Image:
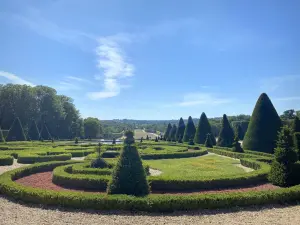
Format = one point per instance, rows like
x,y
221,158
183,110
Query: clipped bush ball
x,y
99,163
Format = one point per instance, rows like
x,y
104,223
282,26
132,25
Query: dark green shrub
x,y
297,143
113,141
180,130
129,176
6,160
208,141
203,129
99,163
156,139
33,132
28,159
191,141
16,132
172,135
141,140
239,132
237,145
167,133
190,130
263,127
226,135
285,157
296,125
76,140
1,136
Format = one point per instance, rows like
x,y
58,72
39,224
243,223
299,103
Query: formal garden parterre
x,y
197,169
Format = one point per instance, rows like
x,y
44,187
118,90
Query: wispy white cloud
x,y
67,86
273,83
14,78
113,62
78,79
199,98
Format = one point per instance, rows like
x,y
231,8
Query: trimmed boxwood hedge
x,y
151,203
35,158
6,160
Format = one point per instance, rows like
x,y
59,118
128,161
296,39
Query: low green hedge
x,y
6,160
84,168
174,155
28,158
151,203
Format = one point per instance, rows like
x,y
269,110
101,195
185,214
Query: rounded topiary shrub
x,y
129,176
281,172
99,163
237,145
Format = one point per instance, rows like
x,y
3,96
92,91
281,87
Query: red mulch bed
x,y
44,180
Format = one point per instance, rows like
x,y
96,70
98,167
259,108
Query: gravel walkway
x,y
12,213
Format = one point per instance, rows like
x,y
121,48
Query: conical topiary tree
x,y
189,131
237,145
264,125
167,133
208,142
1,136
203,129
129,176
16,132
226,135
180,129
45,134
33,132
296,125
239,132
281,172
172,135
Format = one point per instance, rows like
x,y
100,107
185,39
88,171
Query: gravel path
x,y
12,213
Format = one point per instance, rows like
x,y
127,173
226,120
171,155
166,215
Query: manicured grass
x,y
138,133
195,168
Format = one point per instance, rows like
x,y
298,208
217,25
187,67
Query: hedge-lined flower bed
x,y
6,160
29,159
151,203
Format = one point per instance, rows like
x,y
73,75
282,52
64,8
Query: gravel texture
x,y
13,213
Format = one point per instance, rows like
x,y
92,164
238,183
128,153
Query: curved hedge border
x,y
151,203
35,158
6,160
79,176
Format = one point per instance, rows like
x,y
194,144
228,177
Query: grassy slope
x,y
138,133
193,168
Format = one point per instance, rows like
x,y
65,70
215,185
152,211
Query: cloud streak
x,y
113,62
199,98
14,78
273,83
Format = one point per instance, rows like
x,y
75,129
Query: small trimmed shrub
x,y
76,140
113,141
208,141
285,157
226,135
237,145
6,160
191,141
129,176
16,132
28,159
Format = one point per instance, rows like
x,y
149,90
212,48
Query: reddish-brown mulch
x,y
44,180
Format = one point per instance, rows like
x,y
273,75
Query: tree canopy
x,y
16,132
203,129
180,129
92,127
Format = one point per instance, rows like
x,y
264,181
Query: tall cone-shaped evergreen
x,y
180,129
263,128
167,133
33,132
1,136
281,172
16,132
208,141
45,134
129,176
172,136
189,131
203,129
239,132
296,125
226,135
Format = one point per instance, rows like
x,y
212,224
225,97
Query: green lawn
x,y
195,168
138,133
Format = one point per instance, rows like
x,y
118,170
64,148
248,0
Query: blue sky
x,y
159,59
